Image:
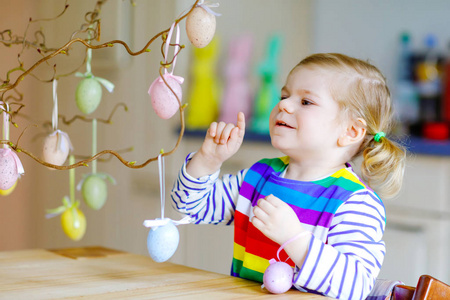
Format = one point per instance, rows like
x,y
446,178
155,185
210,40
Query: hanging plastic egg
x,y
163,100
8,191
8,169
278,277
94,191
73,223
88,95
162,242
56,148
200,27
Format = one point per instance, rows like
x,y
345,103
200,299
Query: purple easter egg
x,y
8,172
277,278
164,101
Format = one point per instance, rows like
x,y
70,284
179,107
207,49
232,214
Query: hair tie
x,y
378,136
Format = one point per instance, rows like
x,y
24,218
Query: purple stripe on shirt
x,y
262,168
312,217
249,192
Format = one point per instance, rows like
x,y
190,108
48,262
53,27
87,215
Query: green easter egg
x,y
94,191
88,95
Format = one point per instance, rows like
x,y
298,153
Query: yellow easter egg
x,y
73,223
8,191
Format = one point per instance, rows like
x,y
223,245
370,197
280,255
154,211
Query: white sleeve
x,y
209,199
346,266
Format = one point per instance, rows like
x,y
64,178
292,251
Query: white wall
x,y
371,29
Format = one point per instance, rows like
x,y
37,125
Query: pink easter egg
x,y
8,171
277,278
164,101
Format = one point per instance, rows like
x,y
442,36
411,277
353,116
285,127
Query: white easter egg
x,y
200,27
163,100
278,277
162,242
54,154
8,172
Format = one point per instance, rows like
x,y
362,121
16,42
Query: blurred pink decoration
x,y
237,95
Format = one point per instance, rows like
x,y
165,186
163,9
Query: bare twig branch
x,y
93,29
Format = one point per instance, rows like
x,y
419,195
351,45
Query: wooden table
x,y
101,273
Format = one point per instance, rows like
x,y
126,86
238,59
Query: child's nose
x,y
286,105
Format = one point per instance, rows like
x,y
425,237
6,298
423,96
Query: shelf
x,y
415,145
428,147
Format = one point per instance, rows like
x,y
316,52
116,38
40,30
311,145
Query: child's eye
x,y
306,102
283,97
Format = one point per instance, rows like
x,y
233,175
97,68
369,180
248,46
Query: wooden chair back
x,y
430,288
403,292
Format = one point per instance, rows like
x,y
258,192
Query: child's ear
x,y
354,133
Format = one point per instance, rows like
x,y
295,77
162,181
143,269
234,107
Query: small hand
x,y
223,140
276,219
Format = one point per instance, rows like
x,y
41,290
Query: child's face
x,y
304,124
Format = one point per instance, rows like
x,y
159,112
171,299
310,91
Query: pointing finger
x,y
241,123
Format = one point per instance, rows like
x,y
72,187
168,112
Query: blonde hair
x,y
361,92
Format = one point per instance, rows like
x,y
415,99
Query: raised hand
x,y
221,142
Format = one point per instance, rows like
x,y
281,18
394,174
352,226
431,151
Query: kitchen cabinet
x,y
417,234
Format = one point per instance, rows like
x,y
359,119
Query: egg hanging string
x,y
68,202
55,106
154,224
56,131
94,144
162,183
176,49
109,86
5,123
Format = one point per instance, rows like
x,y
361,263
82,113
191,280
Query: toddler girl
x,y
332,109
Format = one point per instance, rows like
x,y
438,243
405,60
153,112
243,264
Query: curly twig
x,y
63,50
83,118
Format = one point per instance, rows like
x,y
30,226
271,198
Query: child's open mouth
x,y
283,124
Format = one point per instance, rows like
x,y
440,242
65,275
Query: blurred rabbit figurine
x,y
204,89
269,92
237,95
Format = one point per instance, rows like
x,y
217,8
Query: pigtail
x,y
383,165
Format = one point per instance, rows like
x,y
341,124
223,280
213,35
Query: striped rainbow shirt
x,y
346,218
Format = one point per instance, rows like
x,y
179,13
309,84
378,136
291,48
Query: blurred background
x,y
257,42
